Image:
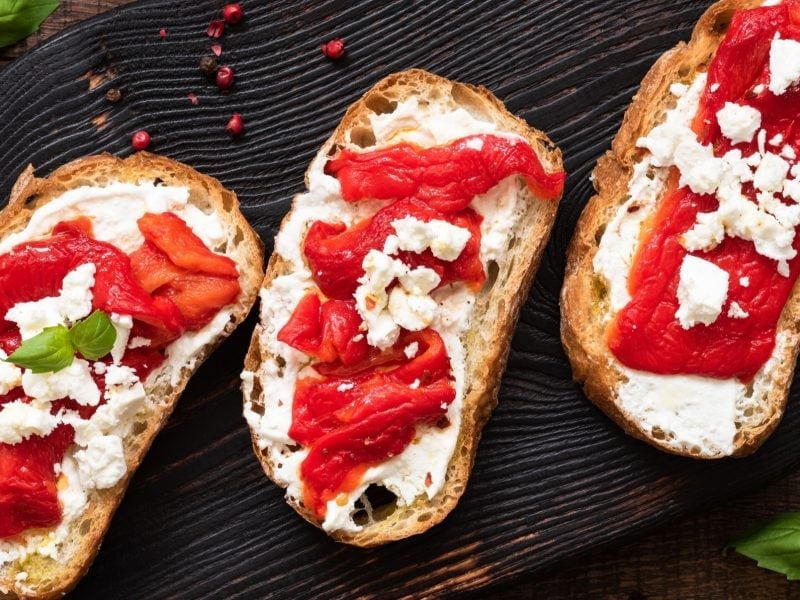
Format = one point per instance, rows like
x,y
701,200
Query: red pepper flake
x,y
235,125
232,13
428,479
163,33
140,140
216,28
193,99
216,49
333,49
224,78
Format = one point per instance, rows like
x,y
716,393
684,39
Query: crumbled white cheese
x,y
737,312
702,290
788,152
19,420
713,87
776,140
784,65
73,303
770,173
445,240
122,325
738,123
345,387
102,463
411,350
75,382
408,305
10,375
138,342
744,281
791,189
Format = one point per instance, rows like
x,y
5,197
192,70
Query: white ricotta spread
x,y
96,460
688,412
421,468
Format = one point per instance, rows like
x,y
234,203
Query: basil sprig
x,y
773,544
20,18
54,348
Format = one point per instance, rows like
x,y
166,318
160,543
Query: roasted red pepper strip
x,y
645,334
329,332
446,178
352,422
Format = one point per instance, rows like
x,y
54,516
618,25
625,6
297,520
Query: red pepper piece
x,y
446,178
170,234
329,332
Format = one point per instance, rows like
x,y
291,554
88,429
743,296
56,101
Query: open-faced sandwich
x,y
679,309
117,278
389,303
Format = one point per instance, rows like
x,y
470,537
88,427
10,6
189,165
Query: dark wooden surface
x,y
682,560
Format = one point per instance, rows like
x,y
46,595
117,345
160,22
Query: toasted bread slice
x,y
586,304
488,334
44,577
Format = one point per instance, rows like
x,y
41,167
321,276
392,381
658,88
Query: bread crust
x,y
582,306
49,578
488,349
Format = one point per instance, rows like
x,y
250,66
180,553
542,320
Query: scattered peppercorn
x,y
113,95
235,125
193,99
224,78
216,49
216,28
140,140
162,33
232,13
208,65
334,49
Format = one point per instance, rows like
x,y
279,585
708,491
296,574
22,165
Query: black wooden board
x,y
553,476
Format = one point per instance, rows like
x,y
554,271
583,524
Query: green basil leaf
x,y
773,544
94,336
20,18
51,350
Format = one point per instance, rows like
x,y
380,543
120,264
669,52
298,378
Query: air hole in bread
x,y
85,527
600,289
227,202
598,235
424,517
493,270
239,237
380,105
139,427
375,504
722,22
362,136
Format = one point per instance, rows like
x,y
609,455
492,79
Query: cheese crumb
x,y
738,123
737,312
102,463
744,281
702,290
771,173
784,65
411,350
